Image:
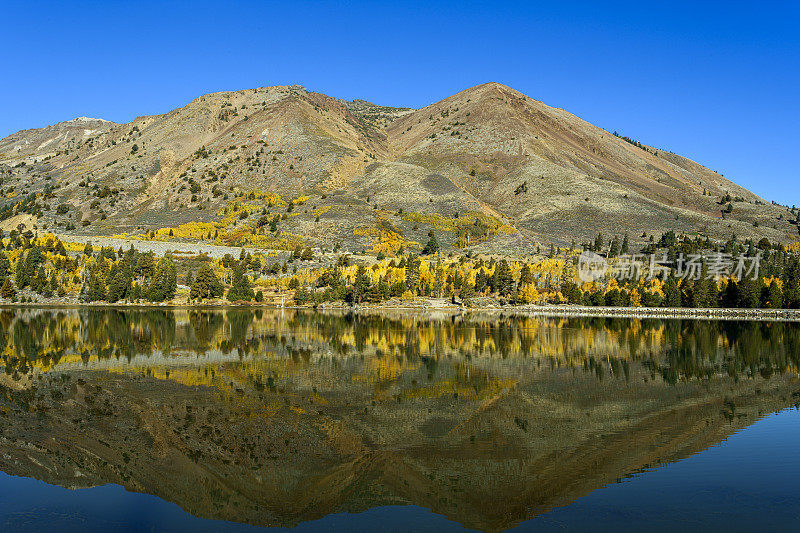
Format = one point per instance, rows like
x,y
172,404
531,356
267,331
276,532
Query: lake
x,y
238,420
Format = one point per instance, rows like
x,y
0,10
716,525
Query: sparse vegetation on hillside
x,y
282,166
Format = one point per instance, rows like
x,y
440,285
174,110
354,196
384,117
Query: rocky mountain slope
x,y
488,167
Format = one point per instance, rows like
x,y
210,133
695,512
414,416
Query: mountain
x,y
489,167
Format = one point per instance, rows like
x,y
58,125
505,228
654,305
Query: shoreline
x,y
548,311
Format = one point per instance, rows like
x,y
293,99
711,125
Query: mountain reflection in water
x,y
273,417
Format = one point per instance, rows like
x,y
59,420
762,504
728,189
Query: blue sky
x,y
715,81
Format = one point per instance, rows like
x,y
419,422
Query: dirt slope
x,y
488,150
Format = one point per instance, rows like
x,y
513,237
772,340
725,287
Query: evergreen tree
x,y
749,294
699,294
164,283
39,281
502,280
791,289
206,284
432,246
119,286
8,291
22,274
571,291
525,275
614,298
598,243
93,289
730,296
625,245
672,294
5,266
240,288
615,247
136,292
145,267
467,293
379,291
361,285
412,273
712,292
773,296
481,280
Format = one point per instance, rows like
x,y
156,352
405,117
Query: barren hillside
x,y
488,167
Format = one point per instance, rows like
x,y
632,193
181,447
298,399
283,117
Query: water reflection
x,y
278,417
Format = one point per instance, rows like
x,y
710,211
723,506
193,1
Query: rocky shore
x,y
425,306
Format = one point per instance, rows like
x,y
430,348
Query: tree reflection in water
x,y
274,417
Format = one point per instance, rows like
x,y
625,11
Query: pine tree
x,y
571,291
39,281
481,280
93,289
712,292
502,280
598,243
730,296
432,246
615,247
22,274
8,291
144,266
164,283
525,276
749,294
119,286
361,285
774,296
240,289
467,292
412,274
206,284
699,293
672,294
791,288
5,266
136,292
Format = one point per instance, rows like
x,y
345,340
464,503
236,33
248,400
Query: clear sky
x,y
715,81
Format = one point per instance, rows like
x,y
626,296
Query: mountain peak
x,y
88,119
490,154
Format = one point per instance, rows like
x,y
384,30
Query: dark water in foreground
x,y
236,420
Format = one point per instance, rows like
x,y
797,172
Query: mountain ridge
x,y
488,150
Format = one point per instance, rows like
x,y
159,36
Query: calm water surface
x,y
237,420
